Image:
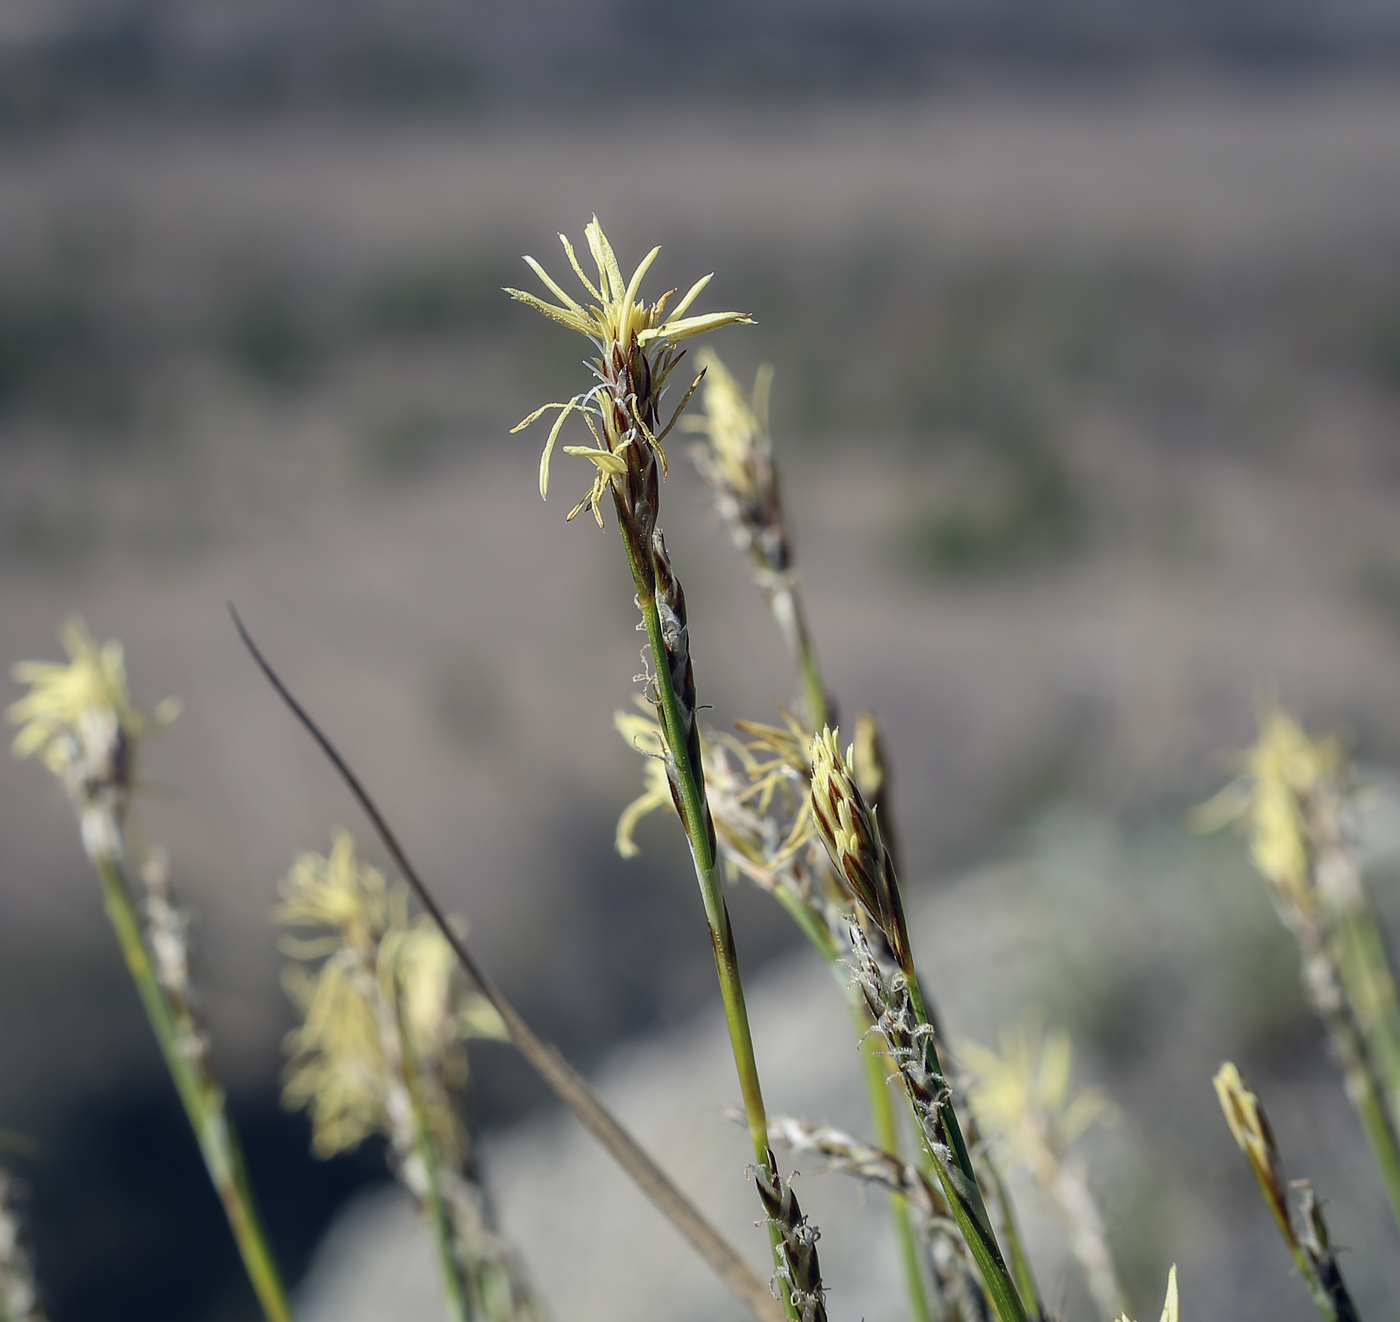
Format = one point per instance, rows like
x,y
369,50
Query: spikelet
x,y
636,343
80,721
798,1241
847,828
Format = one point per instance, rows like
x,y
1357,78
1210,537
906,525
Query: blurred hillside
x,y
1087,401
73,58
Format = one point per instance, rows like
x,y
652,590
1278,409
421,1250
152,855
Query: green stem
x,y
450,1267
1375,1120
960,1183
813,690
696,822
879,1070
203,1101
1011,1233
1370,986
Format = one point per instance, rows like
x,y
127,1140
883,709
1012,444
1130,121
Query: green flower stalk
x,y
1304,1232
847,828
637,346
737,464
753,845
380,1050
80,721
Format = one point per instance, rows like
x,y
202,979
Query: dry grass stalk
x,y
568,1085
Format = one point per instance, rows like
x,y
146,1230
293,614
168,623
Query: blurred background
x,y
1086,326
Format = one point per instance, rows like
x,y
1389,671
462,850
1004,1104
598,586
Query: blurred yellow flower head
x,y
1282,771
1023,1096
386,999
78,717
644,734
740,448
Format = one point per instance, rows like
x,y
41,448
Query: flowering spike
x,y
635,342
81,722
847,828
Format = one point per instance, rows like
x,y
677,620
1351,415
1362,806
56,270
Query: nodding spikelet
x,y
801,1270
19,1297
861,1160
847,828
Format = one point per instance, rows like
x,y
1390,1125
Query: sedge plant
x,y
637,344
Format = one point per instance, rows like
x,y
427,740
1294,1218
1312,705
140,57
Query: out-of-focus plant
x,y
19,1296
1024,1101
380,1050
80,721
1169,1306
1296,797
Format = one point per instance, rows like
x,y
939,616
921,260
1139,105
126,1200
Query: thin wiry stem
x,y
571,1088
